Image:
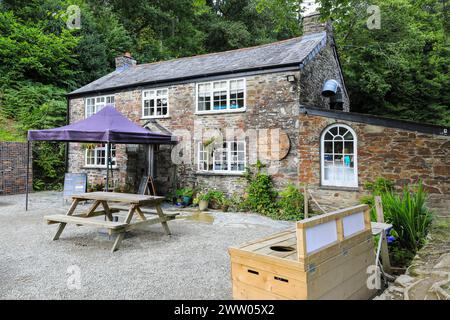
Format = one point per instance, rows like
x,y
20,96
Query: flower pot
x,y
186,200
203,205
179,202
214,204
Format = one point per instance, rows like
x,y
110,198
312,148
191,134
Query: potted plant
x,y
225,204
202,199
215,199
179,197
186,194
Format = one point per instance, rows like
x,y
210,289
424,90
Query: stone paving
x,y
428,277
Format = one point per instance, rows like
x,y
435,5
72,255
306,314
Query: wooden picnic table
x,y
134,201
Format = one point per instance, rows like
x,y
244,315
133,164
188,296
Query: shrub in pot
x,y
215,199
185,194
202,199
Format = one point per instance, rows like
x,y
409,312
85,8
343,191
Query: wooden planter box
x,y
325,257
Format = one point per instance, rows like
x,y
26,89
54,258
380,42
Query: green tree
x,y
401,69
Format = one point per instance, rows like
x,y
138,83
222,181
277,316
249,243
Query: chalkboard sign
x,y
74,183
143,185
146,185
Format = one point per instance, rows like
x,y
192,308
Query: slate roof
x,y
291,52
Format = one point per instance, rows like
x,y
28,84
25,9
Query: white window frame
x,y
339,183
228,109
210,159
96,165
155,97
97,106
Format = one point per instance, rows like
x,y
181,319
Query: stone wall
x,y
403,156
324,66
13,168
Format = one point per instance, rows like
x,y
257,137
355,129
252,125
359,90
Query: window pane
x,y
348,136
349,175
338,147
236,99
334,131
327,173
328,159
328,147
220,100
348,147
236,94
349,161
338,160
204,88
204,103
220,85
328,136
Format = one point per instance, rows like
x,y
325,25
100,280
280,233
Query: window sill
x,y
99,167
201,113
156,117
219,173
338,188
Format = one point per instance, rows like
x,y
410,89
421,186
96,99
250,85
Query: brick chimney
x,y
124,61
312,24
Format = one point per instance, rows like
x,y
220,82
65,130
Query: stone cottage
x,y
229,109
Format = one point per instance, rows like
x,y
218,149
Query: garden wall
x,y
13,168
401,151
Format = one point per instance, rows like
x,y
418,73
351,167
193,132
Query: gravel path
x,y
193,263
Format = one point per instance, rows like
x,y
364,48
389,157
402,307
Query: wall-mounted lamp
x,y
290,78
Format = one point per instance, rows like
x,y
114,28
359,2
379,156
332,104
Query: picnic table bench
x,y
134,201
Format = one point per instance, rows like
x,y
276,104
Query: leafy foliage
x,y
408,214
291,204
401,69
261,197
260,193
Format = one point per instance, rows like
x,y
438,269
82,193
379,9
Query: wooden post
x,y
379,209
384,245
305,199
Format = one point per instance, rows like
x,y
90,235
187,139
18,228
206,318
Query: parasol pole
x,y
108,148
28,175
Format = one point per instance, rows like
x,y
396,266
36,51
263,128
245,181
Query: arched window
x,y
339,156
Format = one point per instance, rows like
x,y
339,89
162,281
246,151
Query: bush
x,y
291,204
261,196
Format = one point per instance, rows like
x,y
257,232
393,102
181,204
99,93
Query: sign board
x,y
143,184
74,183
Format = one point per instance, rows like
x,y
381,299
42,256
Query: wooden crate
x,y
324,257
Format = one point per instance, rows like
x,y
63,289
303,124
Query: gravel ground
x,y
193,263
